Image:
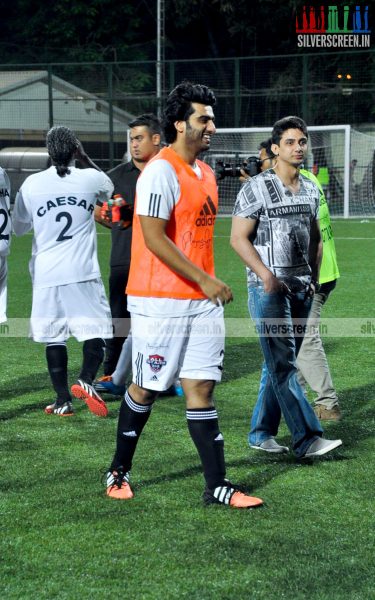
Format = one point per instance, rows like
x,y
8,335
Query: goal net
x,y
342,158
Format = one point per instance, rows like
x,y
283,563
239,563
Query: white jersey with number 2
x,y
61,212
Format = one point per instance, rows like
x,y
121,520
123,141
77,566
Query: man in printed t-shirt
x,y
276,233
312,363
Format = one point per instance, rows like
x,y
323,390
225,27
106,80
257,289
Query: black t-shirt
x,y
124,178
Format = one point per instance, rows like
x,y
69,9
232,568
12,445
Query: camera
x,y
251,166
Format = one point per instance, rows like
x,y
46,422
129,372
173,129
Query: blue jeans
x,y
280,321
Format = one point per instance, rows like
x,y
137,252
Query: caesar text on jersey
x,y
64,201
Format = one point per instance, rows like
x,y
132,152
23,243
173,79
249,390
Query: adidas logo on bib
x,y
207,215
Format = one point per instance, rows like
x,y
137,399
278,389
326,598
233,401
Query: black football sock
x,y
132,419
57,362
93,354
204,429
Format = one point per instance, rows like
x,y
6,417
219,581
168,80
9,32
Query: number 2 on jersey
x,y
4,224
62,235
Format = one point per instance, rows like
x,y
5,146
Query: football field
x,y
62,538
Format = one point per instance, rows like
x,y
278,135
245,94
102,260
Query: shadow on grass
x,y
242,359
256,481
356,426
30,384
271,469
26,384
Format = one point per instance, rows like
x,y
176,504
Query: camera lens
x,y
253,166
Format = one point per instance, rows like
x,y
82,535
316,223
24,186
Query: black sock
x,y
203,426
93,354
132,419
57,362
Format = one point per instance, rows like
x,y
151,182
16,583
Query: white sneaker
x,y
321,446
271,446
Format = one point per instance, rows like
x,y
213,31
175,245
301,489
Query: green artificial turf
x,y
61,538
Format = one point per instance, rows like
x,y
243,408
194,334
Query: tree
x,y
83,30
108,30
224,28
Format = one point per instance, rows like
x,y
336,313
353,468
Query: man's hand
x,y
273,285
84,158
312,289
126,216
217,291
244,176
80,154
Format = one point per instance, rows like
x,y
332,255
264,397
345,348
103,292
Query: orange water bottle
x,y
116,203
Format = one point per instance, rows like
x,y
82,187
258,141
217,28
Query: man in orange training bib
x,y
175,300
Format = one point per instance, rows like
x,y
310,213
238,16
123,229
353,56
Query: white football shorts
x,y
166,348
3,288
78,309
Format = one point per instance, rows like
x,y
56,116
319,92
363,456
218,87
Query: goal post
x,y
342,158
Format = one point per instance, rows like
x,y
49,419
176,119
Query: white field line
x,y
336,237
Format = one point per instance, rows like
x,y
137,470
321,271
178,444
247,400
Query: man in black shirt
x,y
145,137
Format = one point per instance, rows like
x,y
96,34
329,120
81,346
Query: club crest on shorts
x,y
156,362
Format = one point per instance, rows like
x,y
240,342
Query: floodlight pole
x,y
160,38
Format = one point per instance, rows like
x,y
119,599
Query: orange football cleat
x,y
230,495
240,500
118,485
88,394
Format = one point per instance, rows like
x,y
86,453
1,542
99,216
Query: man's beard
x,y
197,136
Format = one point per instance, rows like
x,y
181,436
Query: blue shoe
x,y
105,385
178,388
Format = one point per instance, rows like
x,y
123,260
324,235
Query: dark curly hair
x,y
61,144
287,123
178,105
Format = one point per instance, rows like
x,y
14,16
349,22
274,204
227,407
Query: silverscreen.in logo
x,y
333,27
